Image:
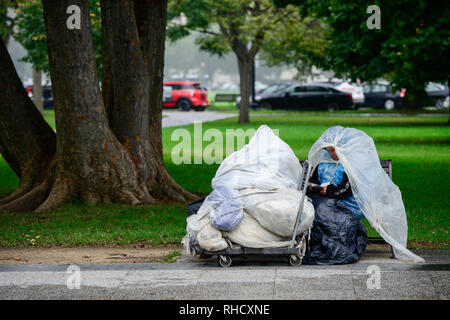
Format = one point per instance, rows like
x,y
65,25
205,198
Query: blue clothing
x,y
333,173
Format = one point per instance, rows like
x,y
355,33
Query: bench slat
x,y
226,97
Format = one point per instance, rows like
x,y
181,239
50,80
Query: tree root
x,y
169,189
23,188
30,200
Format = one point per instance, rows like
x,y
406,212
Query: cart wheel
x,y
295,260
224,261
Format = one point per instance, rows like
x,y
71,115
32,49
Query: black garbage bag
x,y
193,207
336,236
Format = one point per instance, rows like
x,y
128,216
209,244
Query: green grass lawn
x,y
418,146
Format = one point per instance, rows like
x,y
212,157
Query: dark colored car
x,y
187,95
381,96
47,96
437,95
306,97
270,89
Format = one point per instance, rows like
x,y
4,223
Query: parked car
x,y
167,94
354,89
307,97
270,89
187,95
380,95
47,96
438,95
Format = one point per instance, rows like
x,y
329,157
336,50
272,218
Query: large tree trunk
x,y
245,77
151,18
245,63
37,90
127,85
413,100
93,165
112,155
133,47
27,142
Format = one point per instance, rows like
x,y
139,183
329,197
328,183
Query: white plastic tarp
x,y
377,196
266,162
265,175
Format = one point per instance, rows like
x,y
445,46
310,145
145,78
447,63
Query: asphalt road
x,y
249,279
172,118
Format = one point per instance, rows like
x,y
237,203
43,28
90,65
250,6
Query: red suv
x,y
186,95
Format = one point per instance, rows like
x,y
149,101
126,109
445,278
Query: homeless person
x,y
337,236
353,186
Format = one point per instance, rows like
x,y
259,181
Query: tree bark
x,y
151,18
127,88
99,154
412,101
37,90
93,165
27,142
245,63
134,37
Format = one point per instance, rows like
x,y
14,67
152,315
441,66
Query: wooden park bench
x,y
226,97
387,167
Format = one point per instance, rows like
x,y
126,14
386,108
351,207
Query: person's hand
x,y
323,191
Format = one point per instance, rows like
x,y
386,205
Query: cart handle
x,y
302,201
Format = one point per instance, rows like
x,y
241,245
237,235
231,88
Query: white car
x,y
355,90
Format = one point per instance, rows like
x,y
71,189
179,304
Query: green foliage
x,y
6,22
172,256
31,32
228,25
411,48
297,42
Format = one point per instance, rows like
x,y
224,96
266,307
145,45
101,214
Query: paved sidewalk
x,y
253,278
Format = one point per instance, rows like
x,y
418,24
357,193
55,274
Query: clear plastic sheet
x,y
377,196
228,211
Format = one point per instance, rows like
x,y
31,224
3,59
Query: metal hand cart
x,y
295,251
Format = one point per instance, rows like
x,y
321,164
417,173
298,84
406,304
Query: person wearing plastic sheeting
x,y
337,236
376,195
334,183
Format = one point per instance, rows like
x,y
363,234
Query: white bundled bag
x,y
227,212
266,162
277,210
251,234
199,227
209,238
377,196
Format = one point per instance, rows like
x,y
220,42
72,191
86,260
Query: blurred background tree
x,y
7,21
243,27
410,49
